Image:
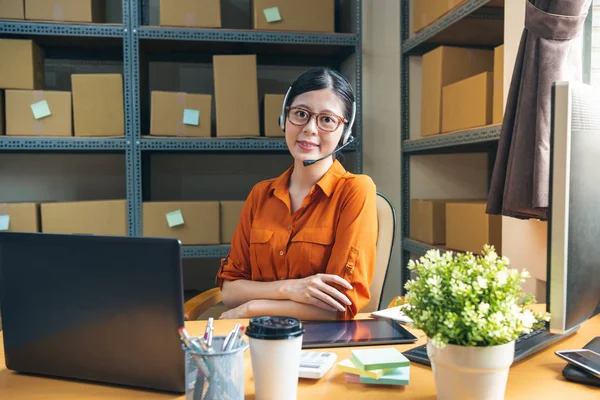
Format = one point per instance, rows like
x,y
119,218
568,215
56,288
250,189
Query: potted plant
x,y
472,309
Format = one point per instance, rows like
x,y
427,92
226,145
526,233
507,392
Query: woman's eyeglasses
x,y
326,121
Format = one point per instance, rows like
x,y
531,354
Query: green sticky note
x,y
272,14
191,117
40,109
4,222
174,218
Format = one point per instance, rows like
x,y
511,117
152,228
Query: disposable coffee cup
x,y
275,346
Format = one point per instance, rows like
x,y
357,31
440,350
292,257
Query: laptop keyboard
x,y
525,345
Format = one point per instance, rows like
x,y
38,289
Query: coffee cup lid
x,y
274,328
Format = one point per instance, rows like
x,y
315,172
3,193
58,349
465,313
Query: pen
x,y
210,329
233,339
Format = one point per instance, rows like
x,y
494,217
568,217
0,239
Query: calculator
x,y
315,364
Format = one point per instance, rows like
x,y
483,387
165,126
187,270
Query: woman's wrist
x,y
283,292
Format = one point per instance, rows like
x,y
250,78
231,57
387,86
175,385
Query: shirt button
x,y
282,278
289,227
281,253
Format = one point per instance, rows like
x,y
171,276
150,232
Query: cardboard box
x,y
200,221
190,13
236,96
428,221
22,217
425,12
174,114
21,119
21,64
98,104
306,15
105,217
441,67
2,117
230,217
272,110
468,227
498,97
12,9
66,10
468,103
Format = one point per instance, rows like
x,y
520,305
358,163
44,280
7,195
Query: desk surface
x,y
537,377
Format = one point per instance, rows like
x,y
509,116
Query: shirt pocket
x,y
315,248
260,250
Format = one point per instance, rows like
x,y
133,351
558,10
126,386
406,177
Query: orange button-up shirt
x,y
333,232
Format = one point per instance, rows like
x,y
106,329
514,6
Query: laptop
x,y
95,308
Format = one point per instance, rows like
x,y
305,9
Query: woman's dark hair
x,y
324,78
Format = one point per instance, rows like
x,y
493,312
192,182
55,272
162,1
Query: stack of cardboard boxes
x,y
461,225
461,89
279,15
192,222
95,103
236,105
90,11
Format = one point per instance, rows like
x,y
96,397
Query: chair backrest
x,y
386,228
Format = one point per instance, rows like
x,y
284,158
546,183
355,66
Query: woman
x,y
305,244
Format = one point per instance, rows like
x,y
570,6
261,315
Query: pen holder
x,y
215,376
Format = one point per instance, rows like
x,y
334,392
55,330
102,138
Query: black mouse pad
x,y
575,374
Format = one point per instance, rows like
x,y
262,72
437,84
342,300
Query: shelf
x,y
60,29
420,248
157,40
463,141
8,143
470,24
216,251
212,144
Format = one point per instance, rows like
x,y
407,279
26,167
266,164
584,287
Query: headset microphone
x,y
311,162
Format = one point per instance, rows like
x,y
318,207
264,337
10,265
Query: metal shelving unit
x,y
482,139
135,32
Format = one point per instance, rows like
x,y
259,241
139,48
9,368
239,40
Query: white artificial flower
x,y
484,308
482,282
528,318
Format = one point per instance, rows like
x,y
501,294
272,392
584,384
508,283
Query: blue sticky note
x,y
175,218
272,14
191,117
40,109
4,222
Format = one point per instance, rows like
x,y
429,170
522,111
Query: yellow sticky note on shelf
x,y
4,222
40,109
174,218
272,14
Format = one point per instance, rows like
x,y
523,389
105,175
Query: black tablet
x,y
364,332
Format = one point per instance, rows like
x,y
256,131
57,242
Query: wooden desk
x,y
538,377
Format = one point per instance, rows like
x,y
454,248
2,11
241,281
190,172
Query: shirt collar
x,y
280,186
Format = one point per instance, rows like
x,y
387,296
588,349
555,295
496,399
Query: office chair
x,y
386,228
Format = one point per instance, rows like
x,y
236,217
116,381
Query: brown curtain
x,y
550,50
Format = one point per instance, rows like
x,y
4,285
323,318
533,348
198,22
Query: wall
x,y
381,113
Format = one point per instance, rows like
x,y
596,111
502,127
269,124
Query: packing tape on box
x,y
38,124
182,102
190,19
58,12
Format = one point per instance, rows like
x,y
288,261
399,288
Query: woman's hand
x,y
239,312
317,290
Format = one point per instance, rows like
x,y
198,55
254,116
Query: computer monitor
x,y
573,282
96,308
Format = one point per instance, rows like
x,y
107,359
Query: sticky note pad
x,y
349,366
191,117
4,222
398,376
40,109
175,218
272,14
382,358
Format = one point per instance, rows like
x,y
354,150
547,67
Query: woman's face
x,y
309,141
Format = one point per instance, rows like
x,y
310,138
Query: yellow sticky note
x,y
40,109
272,14
174,218
4,222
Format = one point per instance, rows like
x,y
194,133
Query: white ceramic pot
x,y
471,373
